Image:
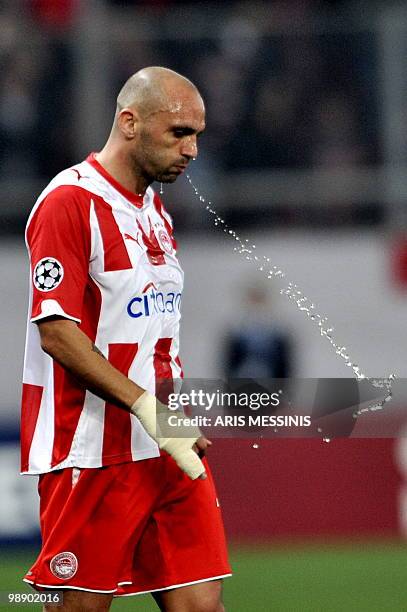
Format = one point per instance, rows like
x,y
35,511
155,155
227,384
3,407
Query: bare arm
x,y
69,346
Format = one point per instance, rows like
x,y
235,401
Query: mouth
x,y
180,168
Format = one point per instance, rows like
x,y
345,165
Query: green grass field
x,y
357,578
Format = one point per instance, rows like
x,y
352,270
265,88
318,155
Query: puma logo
x,y
77,172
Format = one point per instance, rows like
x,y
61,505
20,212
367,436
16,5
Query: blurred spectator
x,y
18,117
18,80
35,94
268,132
285,87
258,348
54,100
54,13
279,93
336,133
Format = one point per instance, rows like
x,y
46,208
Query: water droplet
x,y
326,439
294,294
161,189
255,445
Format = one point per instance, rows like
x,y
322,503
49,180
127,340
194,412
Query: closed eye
x,y
180,132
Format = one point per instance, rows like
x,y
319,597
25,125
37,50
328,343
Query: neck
x,y
117,163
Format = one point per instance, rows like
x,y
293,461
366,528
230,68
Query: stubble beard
x,y
167,178
145,160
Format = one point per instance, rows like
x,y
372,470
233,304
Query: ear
x,y
127,121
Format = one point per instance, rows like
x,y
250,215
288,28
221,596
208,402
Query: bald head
x,y
154,89
160,115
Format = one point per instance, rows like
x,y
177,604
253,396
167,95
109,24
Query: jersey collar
x,y
134,198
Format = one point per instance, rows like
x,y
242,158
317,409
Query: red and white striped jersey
x,y
106,258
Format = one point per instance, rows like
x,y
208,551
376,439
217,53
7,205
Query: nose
x,y
189,147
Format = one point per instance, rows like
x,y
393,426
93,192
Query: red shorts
x,y
128,529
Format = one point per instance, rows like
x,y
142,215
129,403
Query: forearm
x,y
74,351
69,346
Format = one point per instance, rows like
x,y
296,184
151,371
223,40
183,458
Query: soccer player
x,y
122,510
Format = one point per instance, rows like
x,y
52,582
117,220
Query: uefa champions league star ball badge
x,y
48,274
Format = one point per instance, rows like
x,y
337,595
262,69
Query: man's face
x,y
168,138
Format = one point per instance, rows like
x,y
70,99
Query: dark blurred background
x,y
305,155
304,99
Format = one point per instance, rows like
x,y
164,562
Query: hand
x,y
201,446
153,415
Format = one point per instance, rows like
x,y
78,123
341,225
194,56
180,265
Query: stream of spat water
x,y
292,292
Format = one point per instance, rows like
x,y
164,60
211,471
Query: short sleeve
x,y
59,243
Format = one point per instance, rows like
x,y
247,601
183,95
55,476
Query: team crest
x,y
165,241
64,565
48,274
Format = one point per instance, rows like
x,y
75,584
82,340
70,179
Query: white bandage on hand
x,y
153,415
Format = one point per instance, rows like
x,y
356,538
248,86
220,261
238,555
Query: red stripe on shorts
x,y
162,368
30,408
117,425
115,252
